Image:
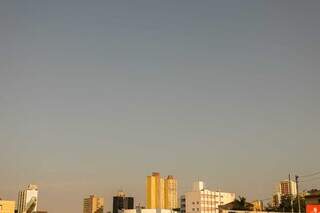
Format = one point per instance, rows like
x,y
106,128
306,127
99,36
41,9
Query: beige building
x,y
284,188
7,206
161,193
257,205
93,204
171,193
201,200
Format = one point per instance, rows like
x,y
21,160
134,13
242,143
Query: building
x,y
257,205
28,199
171,193
93,204
284,188
287,187
121,202
155,191
201,200
7,206
139,210
161,193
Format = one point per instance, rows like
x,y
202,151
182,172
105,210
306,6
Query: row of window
x,y
208,202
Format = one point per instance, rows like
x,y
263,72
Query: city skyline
x,y
96,95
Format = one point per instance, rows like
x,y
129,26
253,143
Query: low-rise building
x,y
201,200
257,205
139,210
7,206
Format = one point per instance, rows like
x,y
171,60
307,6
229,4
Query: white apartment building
x,y
28,199
202,200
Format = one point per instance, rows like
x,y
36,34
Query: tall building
x,y
121,202
284,188
171,193
287,187
201,200
7,206
93,204
28,199
155,191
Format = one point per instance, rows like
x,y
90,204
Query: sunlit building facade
x,y
28,199
202,200
93,204
171,192
155,198
7,206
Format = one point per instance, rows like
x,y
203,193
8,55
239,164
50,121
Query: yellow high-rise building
x,y
171,193
161,193
7,206
155,191
93,204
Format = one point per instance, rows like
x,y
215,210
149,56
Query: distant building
x,y
7,206
171,193
285,188
161,193
121,202
28,199
148,211
155,191
202,200
93,204
257,205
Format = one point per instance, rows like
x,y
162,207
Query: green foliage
x,y
241,204
286,206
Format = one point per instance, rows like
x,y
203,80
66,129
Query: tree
x,y
285,205
241,204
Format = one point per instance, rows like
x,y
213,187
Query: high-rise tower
x,y
28,199
155,191
171,193
121,202
93,204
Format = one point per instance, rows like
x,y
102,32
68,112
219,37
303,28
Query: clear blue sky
x,y
95,95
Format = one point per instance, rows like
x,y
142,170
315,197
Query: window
x,y
193,203
198,202
193,209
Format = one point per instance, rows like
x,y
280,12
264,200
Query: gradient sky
x,y
95,95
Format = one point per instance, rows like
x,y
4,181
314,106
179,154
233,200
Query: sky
x,y
96,95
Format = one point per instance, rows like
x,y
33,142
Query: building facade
x,y
7,206
171,193
139,210
93,204
121,202
201,200
284,188
155,191
28,199
257,205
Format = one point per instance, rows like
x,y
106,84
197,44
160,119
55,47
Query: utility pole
x,y
298,196
291,195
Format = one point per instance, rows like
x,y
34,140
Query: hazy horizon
x,y
96,95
